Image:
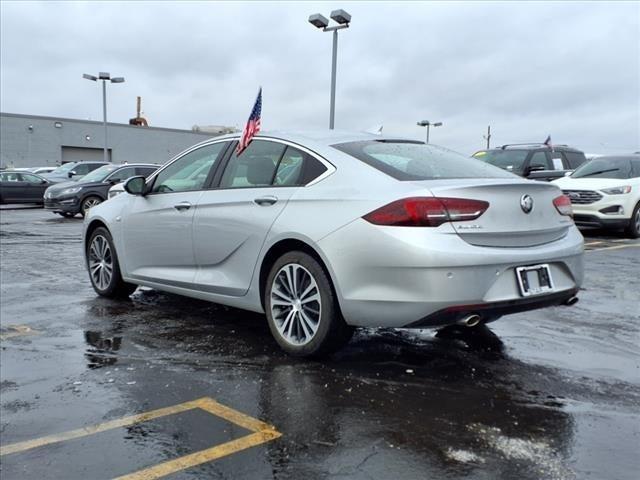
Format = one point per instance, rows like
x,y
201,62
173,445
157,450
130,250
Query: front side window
x,y
255,167
417,161
145,171
539,160
189,172
121,174
575,159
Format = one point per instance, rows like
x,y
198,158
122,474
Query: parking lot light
x,y
342,19
428,124
104,77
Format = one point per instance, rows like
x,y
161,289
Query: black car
x,y
22,187
534,161
71,198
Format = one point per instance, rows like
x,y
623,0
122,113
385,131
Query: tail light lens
x,y
563,205
426,212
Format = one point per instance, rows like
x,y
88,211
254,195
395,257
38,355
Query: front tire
x,y
633,230
302,309
89,202
104,270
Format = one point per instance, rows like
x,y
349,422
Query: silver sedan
x,y
327,231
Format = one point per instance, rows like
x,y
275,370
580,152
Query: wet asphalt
x,y
551,394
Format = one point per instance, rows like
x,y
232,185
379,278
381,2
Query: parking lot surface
x,y
161,386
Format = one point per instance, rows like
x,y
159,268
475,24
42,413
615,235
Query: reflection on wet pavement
x,y
550,394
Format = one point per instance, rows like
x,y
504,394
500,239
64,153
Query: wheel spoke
x,y
282,295
313,298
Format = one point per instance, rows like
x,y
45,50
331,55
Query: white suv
x,y
605,193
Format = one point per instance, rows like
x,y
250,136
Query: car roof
x,y
320,136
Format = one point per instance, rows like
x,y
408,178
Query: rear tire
x,y
302,308
633,230
103,266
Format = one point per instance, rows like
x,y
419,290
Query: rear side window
x,y
122,174
255,167
418,161
575,159
297,168
635,167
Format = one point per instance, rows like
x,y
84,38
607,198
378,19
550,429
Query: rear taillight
x,y
427,211
563,205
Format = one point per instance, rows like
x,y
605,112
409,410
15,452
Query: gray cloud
x,y
571,69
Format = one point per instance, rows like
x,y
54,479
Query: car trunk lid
x,y
506,223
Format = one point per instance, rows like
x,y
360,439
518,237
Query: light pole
x,y
105,77
342,18
428,124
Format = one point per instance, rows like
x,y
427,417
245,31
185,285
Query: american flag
x,y
548,143
253,125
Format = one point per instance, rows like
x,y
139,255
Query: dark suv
x,y
71,198
534,161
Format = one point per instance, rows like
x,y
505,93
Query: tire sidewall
x,y
632,230
328,310
116,278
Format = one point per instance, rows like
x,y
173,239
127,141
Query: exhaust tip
x,y
470,320
571,301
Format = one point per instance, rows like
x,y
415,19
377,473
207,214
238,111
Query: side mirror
x,y
135,185
72,173
43,181
568,174
114,181
535,168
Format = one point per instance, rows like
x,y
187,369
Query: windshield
x,y
64,169
99,174
606,167
405,160
510,160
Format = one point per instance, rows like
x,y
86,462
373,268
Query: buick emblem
x,y
526,203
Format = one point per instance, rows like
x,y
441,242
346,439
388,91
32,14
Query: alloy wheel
x,y
637,219
295,304
90,203
100,262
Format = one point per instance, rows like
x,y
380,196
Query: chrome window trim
x,y
330,167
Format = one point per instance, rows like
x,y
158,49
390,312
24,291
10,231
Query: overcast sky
x,y
530,69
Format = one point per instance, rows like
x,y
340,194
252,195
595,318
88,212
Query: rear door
x,y
11,186
157,228
233,218
34,187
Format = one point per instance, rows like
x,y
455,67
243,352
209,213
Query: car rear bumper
x,y
404,276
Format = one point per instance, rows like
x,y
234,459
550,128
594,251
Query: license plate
x,y
534,280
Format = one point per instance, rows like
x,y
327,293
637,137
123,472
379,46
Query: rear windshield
x,y
418,161
607,167
510,160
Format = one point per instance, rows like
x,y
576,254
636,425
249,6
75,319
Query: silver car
x,y
327,231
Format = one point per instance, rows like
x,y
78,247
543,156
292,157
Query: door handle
x,y
182,206
266,201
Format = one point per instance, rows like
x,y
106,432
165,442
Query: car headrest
x,y
260,170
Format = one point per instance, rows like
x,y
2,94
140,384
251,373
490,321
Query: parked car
x,y
534,161
21,187
72,171
42,170
70,198
329,231
605,193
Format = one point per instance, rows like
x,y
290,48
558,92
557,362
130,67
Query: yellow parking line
x,y
93,429
617,247
262,432
203,456
18,330
595,242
